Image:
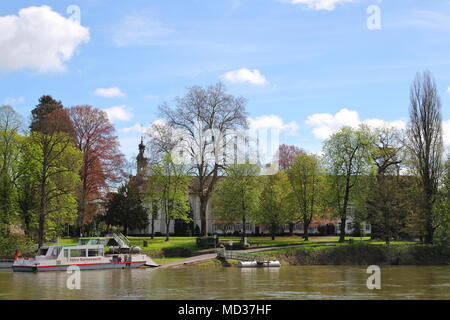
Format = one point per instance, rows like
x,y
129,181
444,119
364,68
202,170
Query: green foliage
x,y
9,244
10,125
365,254
52,164
308,183
347,155
236,197
274,208
169,187
442,209
125,208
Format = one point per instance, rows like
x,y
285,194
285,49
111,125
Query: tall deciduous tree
x,y
102,159
307,180
10,126
386,202
172,189
125,208
425,143
274,205
205,116
347,155
58,163
236,196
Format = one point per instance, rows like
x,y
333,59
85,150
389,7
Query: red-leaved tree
x,y
286,154
102,160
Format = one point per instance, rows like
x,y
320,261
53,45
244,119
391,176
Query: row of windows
x,y
79,253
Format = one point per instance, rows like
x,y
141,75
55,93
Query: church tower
x,y
141,160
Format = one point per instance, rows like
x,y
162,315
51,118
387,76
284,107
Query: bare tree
x,y
204,117
425,143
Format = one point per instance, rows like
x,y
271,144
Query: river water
x,y
287,282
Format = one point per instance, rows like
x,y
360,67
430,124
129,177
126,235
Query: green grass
x,y
167,260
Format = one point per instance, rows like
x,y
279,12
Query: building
x,y
220,227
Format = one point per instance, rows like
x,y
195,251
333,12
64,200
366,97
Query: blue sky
x,y
305,66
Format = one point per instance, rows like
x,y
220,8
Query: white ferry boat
x,y
84,256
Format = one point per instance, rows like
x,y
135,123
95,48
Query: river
x,y
287,282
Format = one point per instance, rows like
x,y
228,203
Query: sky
x,y
306,67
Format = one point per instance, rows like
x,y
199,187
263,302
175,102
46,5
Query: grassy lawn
x,y
159,243
166,260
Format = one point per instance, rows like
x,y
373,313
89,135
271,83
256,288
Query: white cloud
x,y
139,30
325,124
448,90
119,113
39,38
272,122
113,92
446,133
135,128
14,101
320,4
245,75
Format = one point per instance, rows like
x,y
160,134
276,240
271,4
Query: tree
x,y
425,143
236,197
205,117
287,154
39,114
442,207
308,184
125,208
347,156
102,159
171,189
385,200
274,208
57,162
10,125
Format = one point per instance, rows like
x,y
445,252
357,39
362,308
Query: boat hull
x,y
96,266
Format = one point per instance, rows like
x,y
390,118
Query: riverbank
x,y
362,254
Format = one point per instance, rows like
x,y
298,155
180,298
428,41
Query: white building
x,y
219,227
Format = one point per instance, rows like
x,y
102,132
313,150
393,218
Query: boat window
x,y
56,251
66,253
42,251
92,252
75,253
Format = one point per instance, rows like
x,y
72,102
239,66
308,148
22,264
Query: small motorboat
x,y
258,264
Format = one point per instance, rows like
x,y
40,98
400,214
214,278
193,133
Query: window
x,y
75,253
367,227
56,251
92,252
66,253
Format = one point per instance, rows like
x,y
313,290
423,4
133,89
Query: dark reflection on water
x,y
309,282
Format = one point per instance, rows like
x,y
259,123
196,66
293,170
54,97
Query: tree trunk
x,y
306,230
344,211
204,226
167,230
291,229
243,228
153,227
